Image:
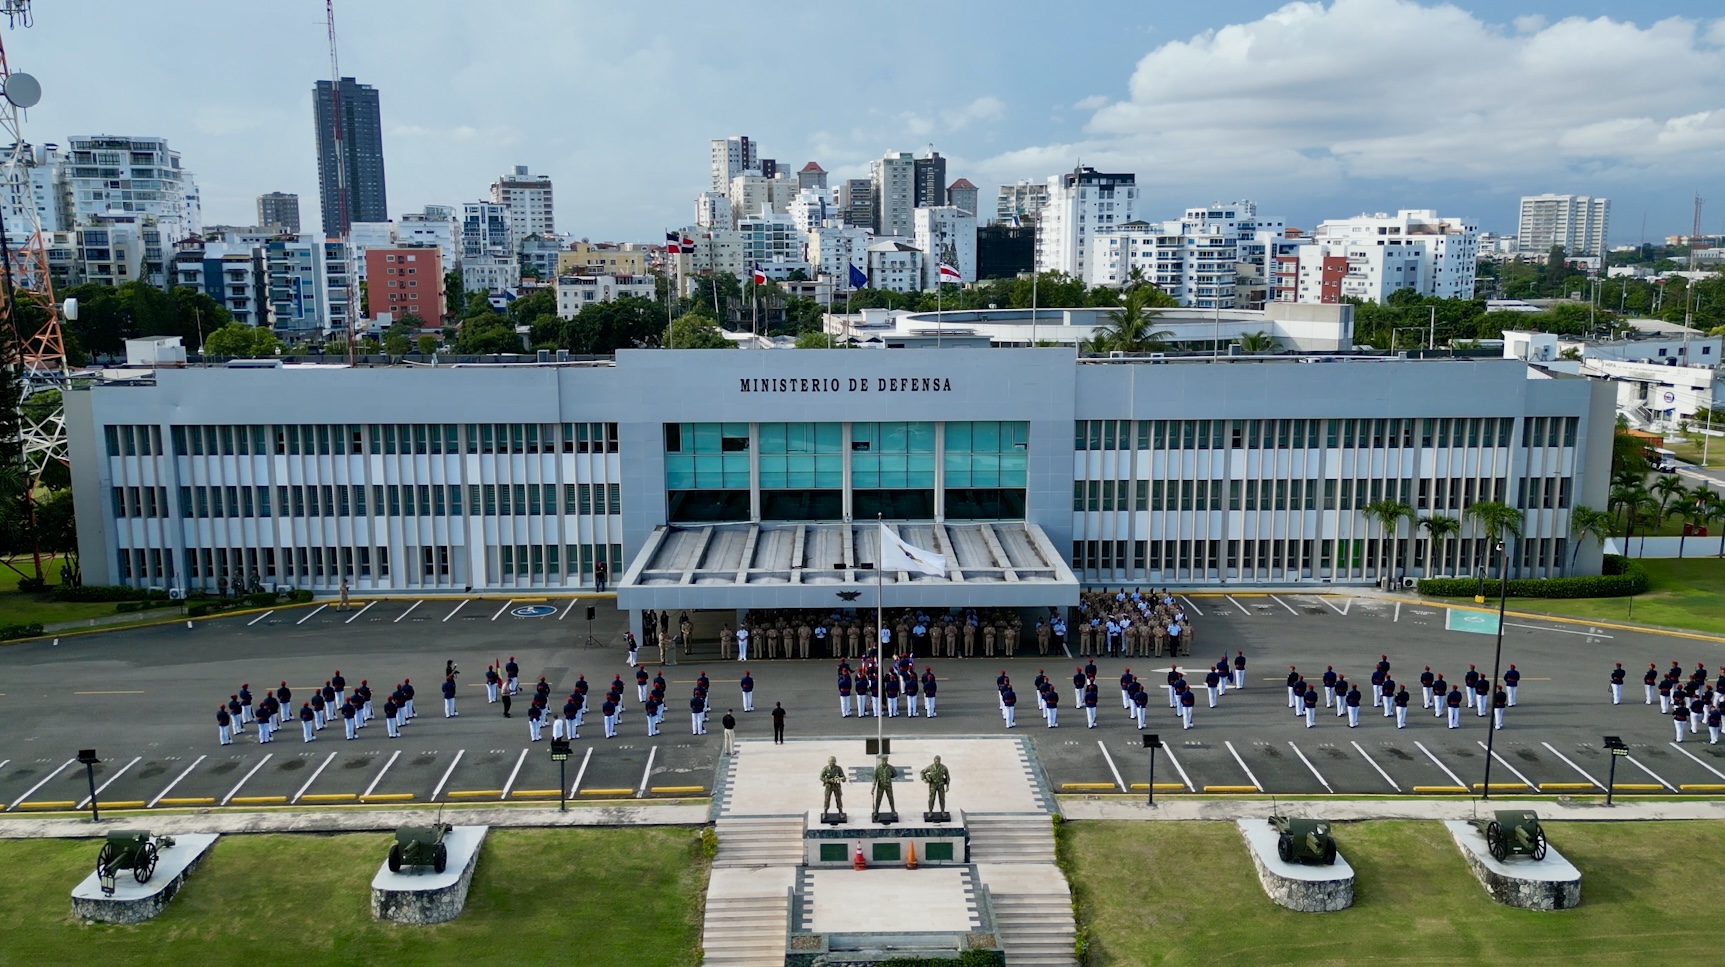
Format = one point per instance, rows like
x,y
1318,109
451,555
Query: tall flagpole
x,y
879,626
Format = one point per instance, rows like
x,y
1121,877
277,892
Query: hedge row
x,y
128,607
9,632
1622,578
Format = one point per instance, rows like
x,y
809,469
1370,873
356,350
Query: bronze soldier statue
x,y
938,779
883,776
833,781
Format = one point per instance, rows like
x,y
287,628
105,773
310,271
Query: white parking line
x,y
260,617
246,778
1561,631
171,785
361,611
1308,762
1255,783
315,773
1343,610
44,782
310,615
1169,750
1374,765
1436,762
379,777
1672,744
99,789
505,607
1637,763
513,773
1194,607
4,762
448,772
1398,616
568,609
647,773
581,772
1284,604
1243,609
1572,765
458,607
1117,780
407,612
1529,783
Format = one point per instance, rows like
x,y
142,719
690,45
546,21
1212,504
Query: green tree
x,y
1498,522
1259,342
487,333
1438,528
396,344
1665,488
1388,515
1128,328
454,295
238,339
821,340
1587,523
1695,509
695,331
427,344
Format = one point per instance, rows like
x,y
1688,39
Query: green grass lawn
x,y
1175,894
1687,593
1691,452
576,896
25,609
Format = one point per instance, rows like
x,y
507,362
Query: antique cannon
x,y
419,846
1304,840
129,849
1513,831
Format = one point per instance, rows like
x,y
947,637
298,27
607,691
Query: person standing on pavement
x,y
1090,698
742,644
407,712
1140,699
1239,669
1052,698
1511,681
641,684
1650,679
506,701
224,726
449,711
234,715
1211,681
1481,692
928,689
1341,694
263,719
1679,718
1499,701
1311,701
317,709
1079,680
1329,681
778,723
392,721
1353,700
245,699
1293,676
844,685
729,723
1187,701
348,715
1401,699
1452,702
1300,690
1715,718
697,714
307,721
284,698
493,681
1426,680
1008,701
609,710
533,721
747,684
1387,693
512,676
651,707
1617,676
601,574
1440,695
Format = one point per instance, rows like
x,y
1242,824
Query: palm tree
x,y
1259,342
1128,328
1438,528
1498,520
1667,487
1645,512
1585,522
1388,515
1695,508
1625,499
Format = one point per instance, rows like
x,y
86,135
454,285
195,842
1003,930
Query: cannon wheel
x,y
1329,852
1539,844
104,858
145,864
1285,847
395,857
440,857
1494,841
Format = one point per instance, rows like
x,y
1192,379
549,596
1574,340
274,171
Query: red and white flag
x,y
759,277
673,243
949,274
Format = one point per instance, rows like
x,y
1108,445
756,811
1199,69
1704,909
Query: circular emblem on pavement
x,y
533,611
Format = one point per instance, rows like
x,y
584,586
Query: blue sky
x,y
1314,110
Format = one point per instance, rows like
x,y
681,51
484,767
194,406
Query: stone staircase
x,y
745,931
762,841
1035,928
1003,838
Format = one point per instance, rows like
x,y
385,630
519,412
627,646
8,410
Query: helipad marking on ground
x,y
1637,764
39,785
1374,765
247,777
1698,762
1474,622
1584,775
1529,783
533,611
361,611
1308,762
449,771
458,607
1111,767
1231,751
117,773
260,617
315,773
1285,605
1168,750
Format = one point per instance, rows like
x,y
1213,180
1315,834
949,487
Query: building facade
x,y
576,292
360,161
33,199
114,174
946,234
486,231
1190,472
231,273
893,177
402,281
529,200
1020,204
731,157
856,203
929,186
279,209
1080,204
1579,223
434,226
1368,257
962,194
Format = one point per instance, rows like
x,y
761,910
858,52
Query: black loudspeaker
x,y
877,747
590,613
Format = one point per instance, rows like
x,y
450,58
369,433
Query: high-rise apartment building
x,y
528,198
36,190
1196,259
486,230
1020,204
894,177
947,236
730,158
811,176
361,160
436,225
279,208
962,194
1368,257
117,173
856,203
402,280
1080,204
1579,223
930,189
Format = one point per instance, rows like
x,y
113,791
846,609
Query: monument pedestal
x,y
883,844
134,902
418,895
1297,886
1519,881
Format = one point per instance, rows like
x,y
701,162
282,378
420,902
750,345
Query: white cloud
x,y
1318,94
1091,103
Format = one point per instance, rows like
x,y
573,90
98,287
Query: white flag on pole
x,y
896,555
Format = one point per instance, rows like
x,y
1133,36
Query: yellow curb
x,y
1087,785
194,801
1702,787
1438,790
1231,789
1637,787
387,797
330,797
607,792
256,800
676,790
1160,786
1503,787
140,804
476,794
535,793
1565,786
45,804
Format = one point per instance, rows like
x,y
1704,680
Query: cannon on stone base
x,y
1306,841
419,846
129,849
1513,832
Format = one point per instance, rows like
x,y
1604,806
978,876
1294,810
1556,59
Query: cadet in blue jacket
x,y
651,707
1052,697
928,689
1401,700
697,715
845,695
224,726
889,690
1329,680
392,717
748,686
1140,699
449,711
610,711
1511,681
263,717
317,709
533,720
1008,701
307,721
348,714
1353,701
1312,706
1452,703
493,682
1187,701
910,689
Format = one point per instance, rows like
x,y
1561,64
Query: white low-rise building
x,y
434,226
1368,257
833,250
490,273
894,266
576,292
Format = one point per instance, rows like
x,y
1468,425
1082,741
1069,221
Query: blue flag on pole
x,y
859,278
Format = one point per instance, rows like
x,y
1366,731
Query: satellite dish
x,y
22,90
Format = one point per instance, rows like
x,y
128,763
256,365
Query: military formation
x,y
953,634
1691,702
1444,699
877,692
269,710
1133,623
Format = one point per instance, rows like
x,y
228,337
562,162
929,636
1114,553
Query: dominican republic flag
x,y
949,274
759,277
897,555
688,244
673,243
859,278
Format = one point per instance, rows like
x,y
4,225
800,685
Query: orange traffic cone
x,y
910,859
858,863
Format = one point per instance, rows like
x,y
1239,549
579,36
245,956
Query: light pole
x,y
88,758
560,755
1152,742
1616,747
1497,658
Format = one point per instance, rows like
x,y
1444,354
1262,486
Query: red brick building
x,y
403,280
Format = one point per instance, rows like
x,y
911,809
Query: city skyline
x,y
1313,110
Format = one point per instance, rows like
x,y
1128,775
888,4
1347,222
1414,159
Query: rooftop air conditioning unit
x,y
176,594
1410,583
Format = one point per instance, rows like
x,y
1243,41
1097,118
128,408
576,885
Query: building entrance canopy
x,y
805,565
